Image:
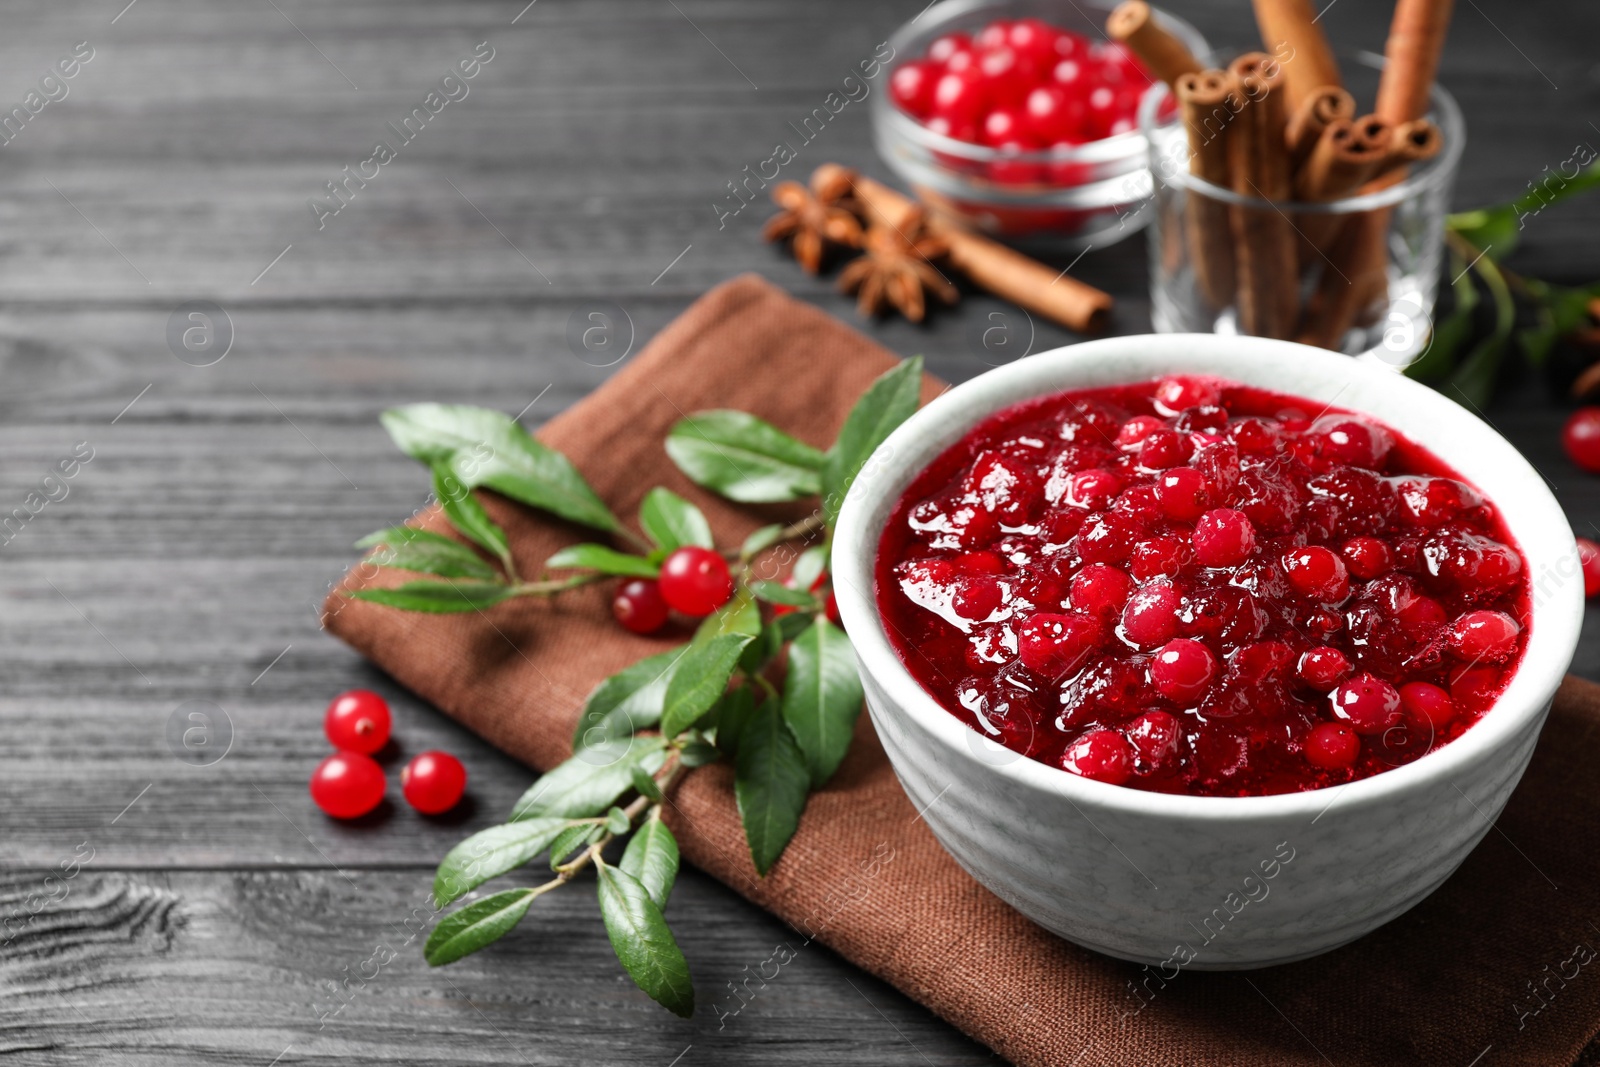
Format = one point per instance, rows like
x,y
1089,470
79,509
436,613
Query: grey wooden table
x,y
214,915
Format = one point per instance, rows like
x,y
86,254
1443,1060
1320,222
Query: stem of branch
x,y
554,585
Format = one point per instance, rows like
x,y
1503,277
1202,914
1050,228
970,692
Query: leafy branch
x,y
767,682
1469,344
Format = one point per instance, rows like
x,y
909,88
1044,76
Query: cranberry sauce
x,y
1193,586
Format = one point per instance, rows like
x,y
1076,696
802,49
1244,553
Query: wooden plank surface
x,y
219,910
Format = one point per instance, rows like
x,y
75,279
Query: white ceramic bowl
x,y
1210,882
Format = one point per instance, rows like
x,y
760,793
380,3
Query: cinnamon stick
x,y
1319,108
1340,161
988,264
1163,55
1410,143
1290,32
1357,277
1411,58
1203,99
1258,165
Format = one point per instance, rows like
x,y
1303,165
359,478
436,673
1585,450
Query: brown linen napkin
x,y
1487,967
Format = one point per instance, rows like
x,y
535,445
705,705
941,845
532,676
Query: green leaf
x,y
1497,230
733,712
700,679
628,701
1474,379
778,593
822,697
739,615
672,522
438,597
617,821
449,560
572,840
888,402
647,786
697,753
491,853
476,925
486,448
771,781
743,458
762,651
400,536
811,565
791,626
591,781
1560,311
466,514
643,943
652,858
591,557
1451,332
760,540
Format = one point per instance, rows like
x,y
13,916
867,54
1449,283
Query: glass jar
x,y
1365,269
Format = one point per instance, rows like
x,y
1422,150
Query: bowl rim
x,y
1552,638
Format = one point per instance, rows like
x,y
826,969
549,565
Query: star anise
x,y
896,267
813,219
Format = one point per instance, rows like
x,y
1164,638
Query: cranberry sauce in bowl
x,y
1193,586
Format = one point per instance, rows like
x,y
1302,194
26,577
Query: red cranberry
x,y
357,721
1369,704
1159,557
1589,557
1004,485
1428,702
1107,538
1151,617
1321,668
433,782
830,609
1103,755
1053,116
1255,437
1164,448
1317,573
1223,538
1055,645
1581,438
1136,429
959,99
1100,589
1158,743
1456,558
911,87
1351,440
1219,464
1332,746
946,46
347,785
975,597
1475,688
639,606
1176,393
1034,39
695,580
1366,557
1093,489
1489,636
1182,493
1182,669
993,35
1429,501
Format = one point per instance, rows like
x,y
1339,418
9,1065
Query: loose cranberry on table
x,y
433,782
639,606
357,721
695,581
1192,586
347,785
1581,438
1589,558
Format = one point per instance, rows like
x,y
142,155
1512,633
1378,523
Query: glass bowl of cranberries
x,y
1020,118
1206,651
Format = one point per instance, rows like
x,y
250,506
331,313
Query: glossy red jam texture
x,y
1193,586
